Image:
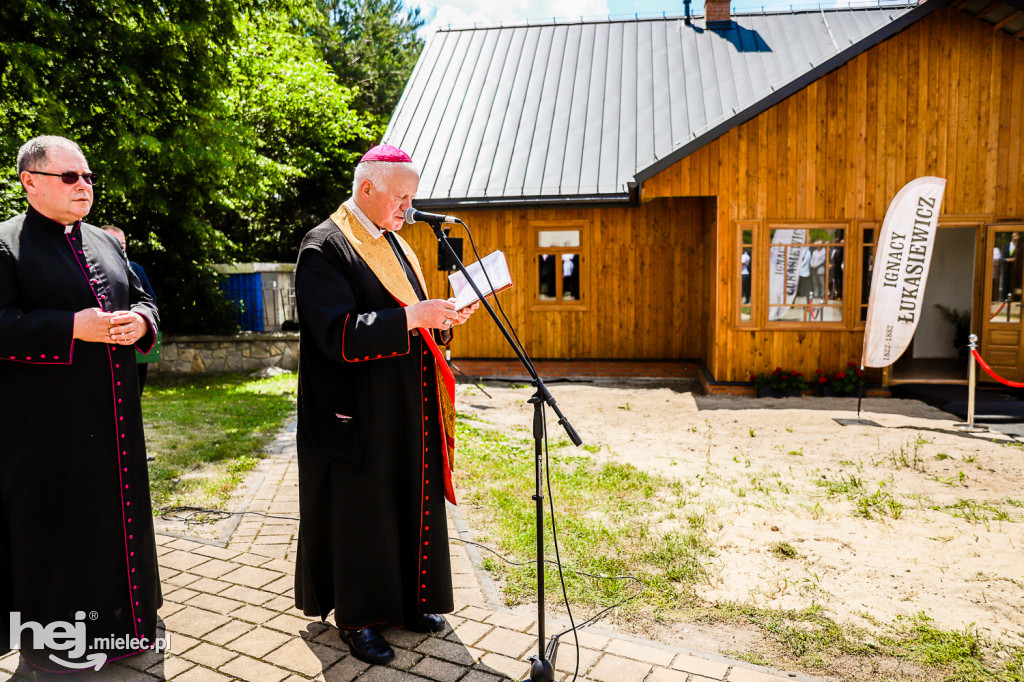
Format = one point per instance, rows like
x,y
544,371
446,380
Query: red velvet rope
x,y
984,366
998,311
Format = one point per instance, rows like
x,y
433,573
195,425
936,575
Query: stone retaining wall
x,y
245,352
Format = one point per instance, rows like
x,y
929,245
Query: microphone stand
x,y
448,352
541,669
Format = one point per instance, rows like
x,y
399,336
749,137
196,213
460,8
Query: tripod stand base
x,y
540,671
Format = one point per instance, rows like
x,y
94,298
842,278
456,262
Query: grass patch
x,y
974,512
847,484
960,652
952,481
909,455
783,550
613,519
208,432
878,504
809,639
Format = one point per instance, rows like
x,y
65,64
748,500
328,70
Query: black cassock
x,y
373,477
76,531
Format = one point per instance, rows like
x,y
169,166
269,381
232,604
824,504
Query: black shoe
x,y
367,644
425,622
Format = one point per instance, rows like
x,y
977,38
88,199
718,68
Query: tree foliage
x,y
220,129
304,138
373,45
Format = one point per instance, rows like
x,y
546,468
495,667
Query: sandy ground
x,y
763,465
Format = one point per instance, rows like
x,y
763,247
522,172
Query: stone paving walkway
x,y
229,613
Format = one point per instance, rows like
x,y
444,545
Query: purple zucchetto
x,y
386,152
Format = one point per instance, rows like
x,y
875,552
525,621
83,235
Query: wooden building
x,y
646,178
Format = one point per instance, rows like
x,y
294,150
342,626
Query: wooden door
x,y
1001,322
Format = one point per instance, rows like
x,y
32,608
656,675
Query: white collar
x,y
374,231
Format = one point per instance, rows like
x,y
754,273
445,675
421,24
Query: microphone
x,y
414,216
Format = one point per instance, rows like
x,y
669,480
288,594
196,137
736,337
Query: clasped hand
x,y
437,313
121,327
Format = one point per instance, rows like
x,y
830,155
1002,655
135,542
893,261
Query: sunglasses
x,y
71,177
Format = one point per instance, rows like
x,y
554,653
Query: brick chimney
x,y
717,14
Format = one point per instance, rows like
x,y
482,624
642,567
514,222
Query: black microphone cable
x,y
200,515
553,641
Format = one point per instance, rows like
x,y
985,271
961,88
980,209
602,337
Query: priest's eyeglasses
x,y
71,177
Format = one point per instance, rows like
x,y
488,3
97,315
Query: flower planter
x,y
829,392
769,392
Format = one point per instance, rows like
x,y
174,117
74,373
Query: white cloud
x,y
464,13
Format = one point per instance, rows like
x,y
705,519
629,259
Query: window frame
x,y
861,226
535,251
850,307
844,225
740,226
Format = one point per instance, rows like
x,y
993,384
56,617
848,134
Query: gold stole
x,y
379,256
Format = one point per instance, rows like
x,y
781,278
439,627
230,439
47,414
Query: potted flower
x,y
844,382
821,379
779,383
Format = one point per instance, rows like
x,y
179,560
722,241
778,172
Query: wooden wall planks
x,y
645,281
944,97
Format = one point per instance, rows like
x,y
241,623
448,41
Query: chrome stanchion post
x,y
972,383
972,378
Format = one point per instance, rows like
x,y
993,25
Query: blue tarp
x,y
246,290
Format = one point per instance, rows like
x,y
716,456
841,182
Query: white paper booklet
x,y
497,271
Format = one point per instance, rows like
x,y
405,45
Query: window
x,y
559,256
805,274
745,236
1005,304
867,267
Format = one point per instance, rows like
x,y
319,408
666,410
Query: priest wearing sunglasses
x,y
376,419
76,536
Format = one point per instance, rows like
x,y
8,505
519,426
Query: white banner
x,y
783,270
902,258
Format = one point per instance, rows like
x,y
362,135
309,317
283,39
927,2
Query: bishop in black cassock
x,y
376,419
76,529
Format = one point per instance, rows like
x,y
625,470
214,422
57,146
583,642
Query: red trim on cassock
x,y
152,345
118,456
447,440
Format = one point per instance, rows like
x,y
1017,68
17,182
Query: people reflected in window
x,y
570,277
1009,282
836,273
818,257
745,276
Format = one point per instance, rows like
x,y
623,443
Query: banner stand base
x,y
856,422
970,428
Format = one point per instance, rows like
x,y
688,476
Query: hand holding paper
x,y
497,270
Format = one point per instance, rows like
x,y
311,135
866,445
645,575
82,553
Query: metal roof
x,y
573,111
1007,16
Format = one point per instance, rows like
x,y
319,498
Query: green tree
x,y
372,45
135,83
218,129
305,137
